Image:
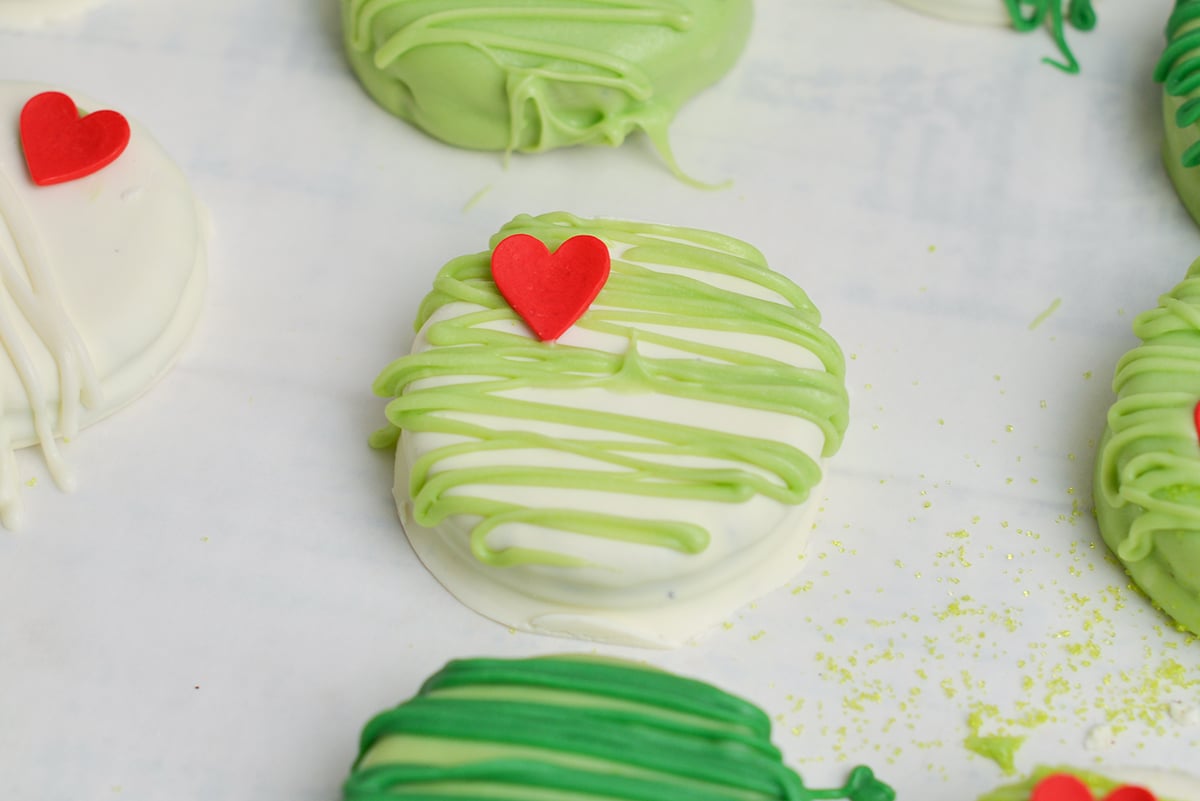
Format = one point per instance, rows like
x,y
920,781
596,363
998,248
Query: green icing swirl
x,y
574,729
1178,70
1028,15
535,75
1148,468
641,301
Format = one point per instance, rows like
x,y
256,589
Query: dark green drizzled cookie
x,y
578,729
1179,72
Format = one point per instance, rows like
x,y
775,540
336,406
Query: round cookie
x,y
101,276
1147,484
1177,72
642,477
1111,784
535,75
579,729
1024,15
38,12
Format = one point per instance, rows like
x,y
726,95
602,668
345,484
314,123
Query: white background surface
x,y
229,596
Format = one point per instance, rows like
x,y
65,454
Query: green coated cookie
x,y
1147,483
533,75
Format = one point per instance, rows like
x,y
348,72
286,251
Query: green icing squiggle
x,y
642,303
534,76
1028,15
573,729
1148,467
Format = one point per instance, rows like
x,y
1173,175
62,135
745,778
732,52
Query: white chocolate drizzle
x,y
28,289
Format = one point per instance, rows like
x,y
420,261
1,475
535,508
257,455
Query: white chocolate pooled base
x,y
112,270
31,13
630,593
979,12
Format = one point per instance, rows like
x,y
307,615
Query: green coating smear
x,y
1178,70
1148,469
1030,14
541,74
1100,785
644,302
578,729
1000,749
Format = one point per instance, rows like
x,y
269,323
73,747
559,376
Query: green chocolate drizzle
x,y
574,729
1148,467
644,304
1030,14
1179,71
533,76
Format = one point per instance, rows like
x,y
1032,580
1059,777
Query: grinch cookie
x,y
1108,784
644,475
576,729
535,75
1147,491
1177,72
1024,15
101,271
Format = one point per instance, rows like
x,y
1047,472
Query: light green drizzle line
x,y
544,74
1030,14
1148,469
578,729
1179,71
1045,315
636,297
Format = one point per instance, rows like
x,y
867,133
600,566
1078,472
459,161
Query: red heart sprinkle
x,y
1196,418
550,291
1061,787
62,146
1130,792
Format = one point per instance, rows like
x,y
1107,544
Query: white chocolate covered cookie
x,y
101,277
644,475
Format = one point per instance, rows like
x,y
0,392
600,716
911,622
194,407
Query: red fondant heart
x,y
1196,418
1130,792
1061,787
550,290
62,146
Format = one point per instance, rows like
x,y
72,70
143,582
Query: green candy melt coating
x,y
1147,488
632,456
1178,70
534,75
578,729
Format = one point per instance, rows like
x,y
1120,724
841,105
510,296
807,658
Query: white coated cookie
x,y
101,281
